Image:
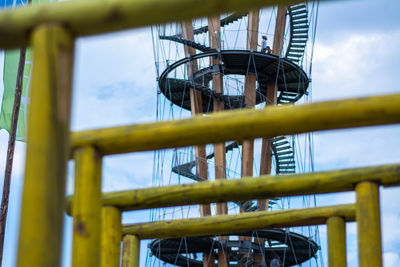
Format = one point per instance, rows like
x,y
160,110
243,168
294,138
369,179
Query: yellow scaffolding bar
x,y
226,224
244,124
95,17
249,188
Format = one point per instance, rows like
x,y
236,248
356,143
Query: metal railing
x,y
51,30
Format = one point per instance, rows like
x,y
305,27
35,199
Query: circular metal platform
x,y
292,248
292,82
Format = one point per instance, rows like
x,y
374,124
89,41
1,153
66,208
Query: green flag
x,y
11,59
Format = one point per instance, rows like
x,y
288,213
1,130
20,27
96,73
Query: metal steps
x,y
190,43
298,16
225,21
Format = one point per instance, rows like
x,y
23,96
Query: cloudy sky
x,y
357,53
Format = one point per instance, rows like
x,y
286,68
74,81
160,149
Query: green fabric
x,y
11,59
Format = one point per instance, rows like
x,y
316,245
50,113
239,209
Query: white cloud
x,y
356,65
391,259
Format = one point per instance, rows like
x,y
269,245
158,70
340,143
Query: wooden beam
x,y
271,97
214,36
250,91
244,124
368,224
279,33
111,232
87,208
250,102
130,251
196,108
336,241
227,224
41,222
244,189
94,17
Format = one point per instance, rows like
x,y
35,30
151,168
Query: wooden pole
x,y
244,124
10,151
368,224
250,91
130,251
271,97
250,102
87,208
336,241
111,234
41,223
196,108
214,34
244,189
249,221
114,15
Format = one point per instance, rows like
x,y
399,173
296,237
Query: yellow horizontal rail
x,y
226,224
95,16
249,188
243,124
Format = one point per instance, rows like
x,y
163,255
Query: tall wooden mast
x,y
214,34
197,108
266,152
250,91
250,102
265,165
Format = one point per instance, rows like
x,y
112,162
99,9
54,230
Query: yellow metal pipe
x,y
249,188
111,234
130,251
41,220
244,124
336,241
87,208
95,17
368,224
225,224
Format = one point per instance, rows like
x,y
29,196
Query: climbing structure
x,y
97,216
189,83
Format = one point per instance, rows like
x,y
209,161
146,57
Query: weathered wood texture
x,y
244,124
87,208
245,189
130,251
336,241
225,224
95,17
47,148
279,30
250,91
111,232
214,36
196,108
271,97
250,102
368,224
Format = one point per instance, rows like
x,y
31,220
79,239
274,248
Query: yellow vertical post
x,y
111,235
368,224
130,251
41,223
86,209
336,241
